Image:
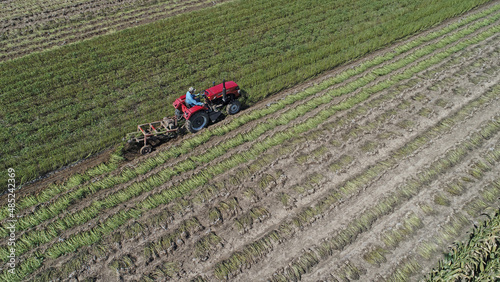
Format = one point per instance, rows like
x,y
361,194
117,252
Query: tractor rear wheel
x,y
197,122
233,107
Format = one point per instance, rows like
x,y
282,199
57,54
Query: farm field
x,y
29,26
368,172
60,106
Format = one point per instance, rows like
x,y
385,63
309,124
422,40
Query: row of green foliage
x,y
84,97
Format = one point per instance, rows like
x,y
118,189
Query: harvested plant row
x,y
231,266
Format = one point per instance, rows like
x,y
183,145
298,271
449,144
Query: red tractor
x,y
217,97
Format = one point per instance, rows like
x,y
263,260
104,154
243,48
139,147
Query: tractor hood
x,y
216,91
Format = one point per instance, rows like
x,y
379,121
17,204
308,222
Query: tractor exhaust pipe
x,y
224,90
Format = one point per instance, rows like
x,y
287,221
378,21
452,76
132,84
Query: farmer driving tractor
x,y
191,100
190,113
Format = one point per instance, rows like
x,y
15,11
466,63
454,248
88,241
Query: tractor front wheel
x,y
233,107
197,122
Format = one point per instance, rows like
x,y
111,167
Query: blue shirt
x,y
190,101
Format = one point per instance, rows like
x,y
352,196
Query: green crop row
x,y
122,76
40,35
56,189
